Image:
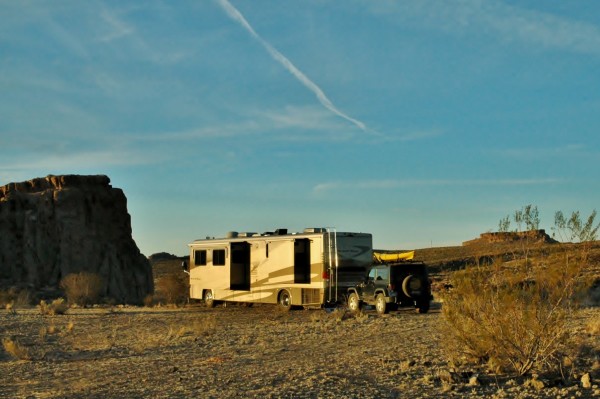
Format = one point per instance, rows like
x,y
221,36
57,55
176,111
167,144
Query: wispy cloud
x,y
509,23
531,153
117,28
287,64
289,123
419,135
393,184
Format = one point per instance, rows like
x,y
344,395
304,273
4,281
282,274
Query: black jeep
x,y
389,286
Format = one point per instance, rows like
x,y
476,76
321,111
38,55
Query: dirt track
x,y
234,351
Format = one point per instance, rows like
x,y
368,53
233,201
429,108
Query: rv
x,y
309,269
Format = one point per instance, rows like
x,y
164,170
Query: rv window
x,y
218,257
267,250
200,258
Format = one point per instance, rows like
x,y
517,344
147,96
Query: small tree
x,y
526,219
574,229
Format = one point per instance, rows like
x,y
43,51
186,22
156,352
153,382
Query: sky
x,y
421,122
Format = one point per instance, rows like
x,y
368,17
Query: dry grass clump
x,y
82,288
57,306
149,300
15,297
593,327
514,319
17,350
10,309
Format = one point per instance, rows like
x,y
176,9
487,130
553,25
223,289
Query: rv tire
x,y
284,300
209,300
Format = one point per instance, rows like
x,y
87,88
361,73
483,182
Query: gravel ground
x,y
235,351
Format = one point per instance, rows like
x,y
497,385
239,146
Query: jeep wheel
x,y
285,300
209,300
380,304
354,302
422,306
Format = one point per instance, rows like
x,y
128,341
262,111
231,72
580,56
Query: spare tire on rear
x,y
410,284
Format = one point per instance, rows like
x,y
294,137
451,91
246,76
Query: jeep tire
x,y
380,304
354,304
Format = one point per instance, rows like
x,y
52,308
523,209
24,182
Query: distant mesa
x,y
57,225
534,236
161,256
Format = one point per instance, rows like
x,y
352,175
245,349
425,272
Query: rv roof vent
x,y
246,234
232,234
281,232
314,230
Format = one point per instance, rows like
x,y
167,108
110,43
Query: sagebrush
x,y
57,306
17,350
82,288
515,319
173,288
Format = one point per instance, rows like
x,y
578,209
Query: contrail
x,y
287,64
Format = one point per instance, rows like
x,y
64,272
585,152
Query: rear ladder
x,y
332,265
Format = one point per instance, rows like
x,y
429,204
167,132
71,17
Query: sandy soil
x,y
235,351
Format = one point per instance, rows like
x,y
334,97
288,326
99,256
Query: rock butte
x,y
57,225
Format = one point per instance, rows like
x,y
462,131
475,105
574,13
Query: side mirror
x,y
184,266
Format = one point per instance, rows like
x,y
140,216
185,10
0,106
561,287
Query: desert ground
x,y
191,351
235,351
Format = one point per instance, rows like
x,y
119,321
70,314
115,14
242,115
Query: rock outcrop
x,y
57,225
533,236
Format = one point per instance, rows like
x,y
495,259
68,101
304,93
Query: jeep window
x,y
383,274
372,274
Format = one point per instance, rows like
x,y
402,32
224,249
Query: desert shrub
x,y
17,350
593,327
514,319
57,306
173,288
10,309
149,300
82,288
15,297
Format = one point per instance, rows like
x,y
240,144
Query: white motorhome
x,y
311,268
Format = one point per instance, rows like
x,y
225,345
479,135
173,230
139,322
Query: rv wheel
x,y
285,300
380,305
354,302
209,299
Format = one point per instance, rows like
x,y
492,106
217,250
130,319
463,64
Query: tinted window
x,y
200,258
384,274
372,274
218,257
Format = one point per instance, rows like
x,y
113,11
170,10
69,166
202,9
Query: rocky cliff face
x,y
53,226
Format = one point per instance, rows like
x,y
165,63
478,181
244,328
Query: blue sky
x,y
421,122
